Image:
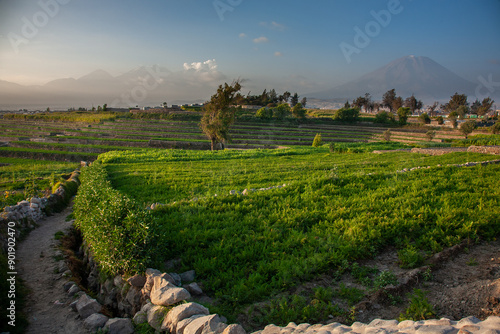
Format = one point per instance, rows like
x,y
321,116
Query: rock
x,y
180,313
87,306
271,329
68,286
168,295
245,192
119,326
177,278
194,289
140,317
156,315
188,276
95,321
137,281
436,329
134,297
118,281
73,305
206,324
181,325
234,329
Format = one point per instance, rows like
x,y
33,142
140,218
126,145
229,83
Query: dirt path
x,y
47,304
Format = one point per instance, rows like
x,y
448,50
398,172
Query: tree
x,y
281,111
431,134
384,117
432,109
397,103
440,120
294,100
99,108
387,135
363,102
218,116
264,113
424,118
412,103
350,115
467,128
485,107
495,129
453,119
48,109
388,99
462,111
273,96
318,141
304,101
455,102
298,111
105,107
403,114
474,107
285,97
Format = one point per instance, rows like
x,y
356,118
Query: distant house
x,y
250,107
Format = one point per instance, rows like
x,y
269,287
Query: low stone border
x,y
28,212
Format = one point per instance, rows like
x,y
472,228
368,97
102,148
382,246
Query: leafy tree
x,y
264,113
298,111
285,97
347,105
403,114
462,111
218,116
105,107
474,107
388,99
455,102
412,103
430,135
294,100
350,115
467,128
453,119
304,101
99,108
273,96
440,120
424,118
363,102
485,106
48,109
281,111
397,103
318,141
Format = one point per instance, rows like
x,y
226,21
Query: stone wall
x,y
485,149
27,213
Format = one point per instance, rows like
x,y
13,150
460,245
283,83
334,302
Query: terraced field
x,y
63,139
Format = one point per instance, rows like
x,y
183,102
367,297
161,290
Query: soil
x,y
47,307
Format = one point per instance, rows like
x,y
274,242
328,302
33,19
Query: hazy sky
x,y
301,45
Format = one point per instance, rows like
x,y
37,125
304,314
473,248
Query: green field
x,y
334,210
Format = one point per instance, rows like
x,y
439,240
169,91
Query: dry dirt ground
x,y
47,304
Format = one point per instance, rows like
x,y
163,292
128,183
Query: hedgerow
x,y
116,229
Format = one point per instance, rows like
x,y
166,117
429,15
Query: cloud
x,y
243,35
209,65
278,54
273,25
260,40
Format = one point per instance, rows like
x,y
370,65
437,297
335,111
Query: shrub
x,y
318,141
384,279
424,118
298,111
440,120
430,135
115,227
264,113
410,257
387,135
281,111
419,309
403,114
350,115
495,129
384,117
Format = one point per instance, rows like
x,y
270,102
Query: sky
x,y
303,46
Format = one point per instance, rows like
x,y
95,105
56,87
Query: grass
x,y
336,207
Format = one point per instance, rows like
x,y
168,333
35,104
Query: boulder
x,y
95,322
204,325
234,329
168,295
87,306
180,313
177,278
194,289
137,281
181,325
188,276
119,326
156,315
140,317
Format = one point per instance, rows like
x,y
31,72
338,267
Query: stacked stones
x,y
443,326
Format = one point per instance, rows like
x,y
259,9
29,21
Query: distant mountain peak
x,y
97,75
417,75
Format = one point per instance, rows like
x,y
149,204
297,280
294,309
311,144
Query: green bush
x,y
264,113
440,120
117,230
318,141
424,118
350,115
495,129
384,117
419,309
410,257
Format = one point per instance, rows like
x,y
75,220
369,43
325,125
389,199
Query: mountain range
x,y
420,76
153,85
